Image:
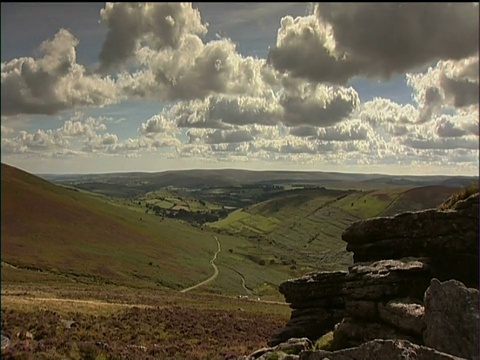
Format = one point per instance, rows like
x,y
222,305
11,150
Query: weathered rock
x,y
404,314
446,237
278,355
363,309
381,350
353,332
295,345
318,304
451,318
312,324
387,279
317,285
426,224
291,347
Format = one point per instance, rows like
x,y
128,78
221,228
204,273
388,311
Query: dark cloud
x,y
318,106
374,39
460,92
301,52
446,128
432,103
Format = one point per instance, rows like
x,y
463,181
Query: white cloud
x,y
450,83
158,25
158,124
53,82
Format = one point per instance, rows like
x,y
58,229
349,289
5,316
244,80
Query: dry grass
x,y
114,323
461,195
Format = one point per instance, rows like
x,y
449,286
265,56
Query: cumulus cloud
x,y
346,131
195,71
158,124
373,40
41,140
53,82
387,115
443,143
318,105
222,112
447,84
159,25
446,128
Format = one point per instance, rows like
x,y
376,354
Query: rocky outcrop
x,y
448,238
382,301
317,304
451,318
284,351
380,350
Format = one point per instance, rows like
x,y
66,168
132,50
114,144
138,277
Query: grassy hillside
x,y
302,228
87,237
60,230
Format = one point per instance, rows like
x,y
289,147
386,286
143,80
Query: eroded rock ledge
x,y
384,299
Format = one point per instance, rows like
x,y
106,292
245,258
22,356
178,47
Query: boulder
x,y
387,279
317,303
404,314
310,323
451,318
353,332
381,350
287,350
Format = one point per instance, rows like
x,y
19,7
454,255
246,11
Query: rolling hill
x,y
64,231
86,237
136,183
303,227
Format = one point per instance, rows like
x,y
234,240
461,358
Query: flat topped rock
x,y
430,223
388,279
384,268
315,285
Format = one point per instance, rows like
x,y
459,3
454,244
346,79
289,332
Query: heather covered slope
x,y
60,230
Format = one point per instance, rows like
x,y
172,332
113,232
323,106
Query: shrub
x,y
461,195
326,342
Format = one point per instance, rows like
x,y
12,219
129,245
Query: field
x,y
111,322
94,268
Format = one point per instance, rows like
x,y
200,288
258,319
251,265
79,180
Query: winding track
x,y
215,268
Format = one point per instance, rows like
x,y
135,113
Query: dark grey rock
x,y
451,318
404,314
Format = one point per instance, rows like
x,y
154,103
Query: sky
x,y
389,88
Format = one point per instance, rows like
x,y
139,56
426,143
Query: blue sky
x,y
96,87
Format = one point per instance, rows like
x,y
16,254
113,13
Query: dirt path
x,y
244,284
28,299
215,274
